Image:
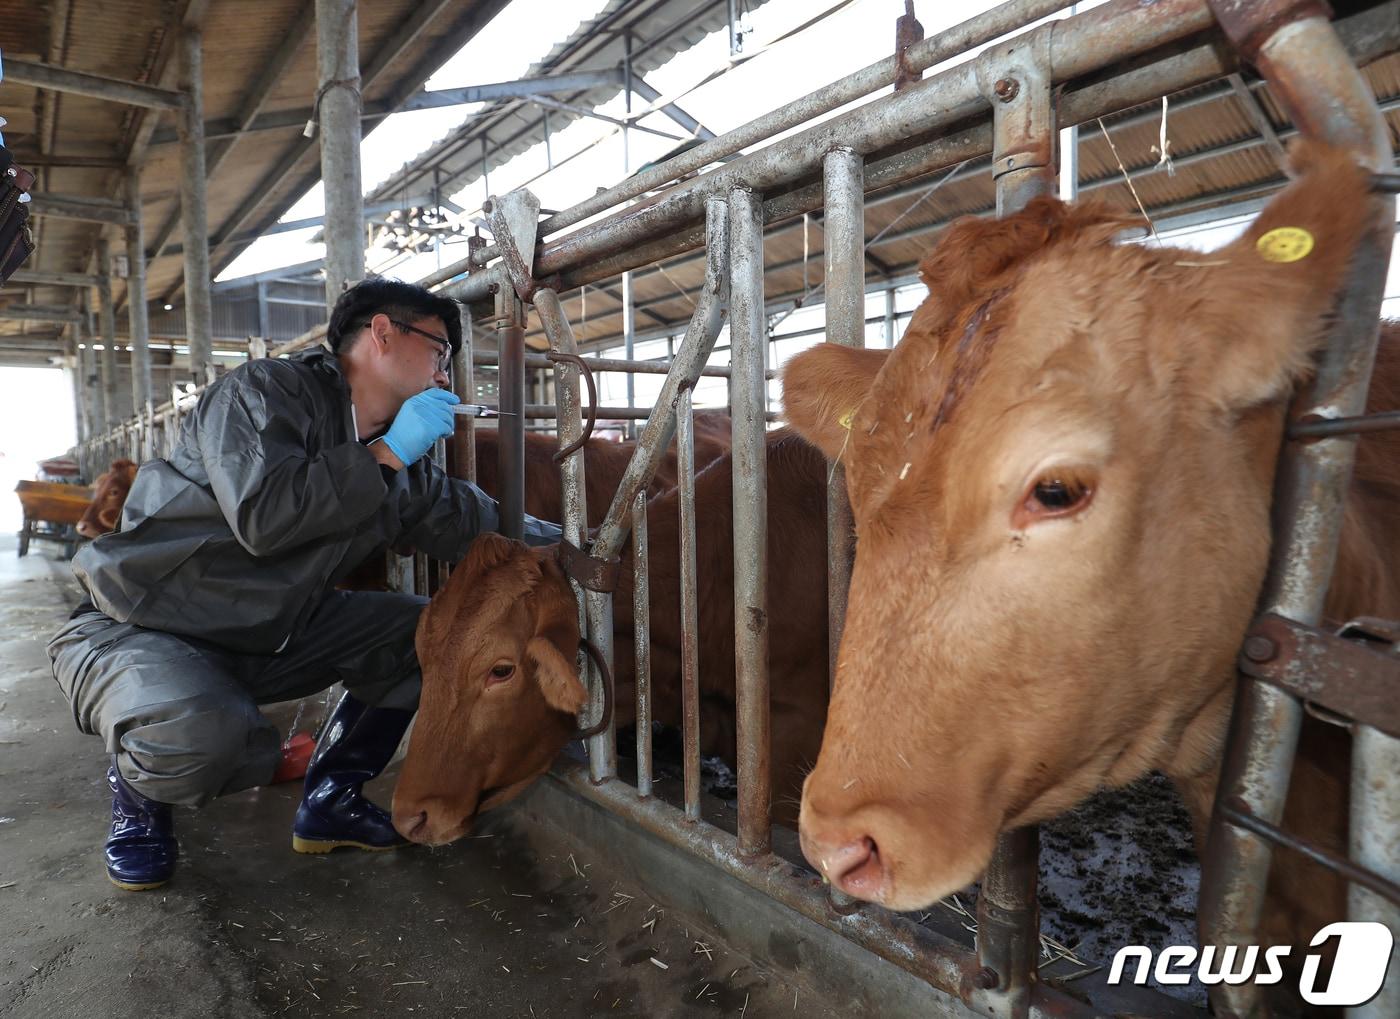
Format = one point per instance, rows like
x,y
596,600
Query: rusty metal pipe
x,y
748,332
641,634
844,184
690,606
1325,95
695,350
510,450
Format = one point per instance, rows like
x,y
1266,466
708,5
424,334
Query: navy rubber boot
x,y
141,849
356,746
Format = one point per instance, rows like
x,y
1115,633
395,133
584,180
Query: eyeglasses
x,y
444,361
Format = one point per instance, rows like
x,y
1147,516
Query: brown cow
x,y
604,462
109,496
1061,483
497,704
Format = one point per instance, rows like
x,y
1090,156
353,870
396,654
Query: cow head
x,y
500,688
1061,483
104,513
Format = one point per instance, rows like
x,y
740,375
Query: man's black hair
x,y
398,300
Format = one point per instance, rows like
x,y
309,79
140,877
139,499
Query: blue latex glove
x,y
422,420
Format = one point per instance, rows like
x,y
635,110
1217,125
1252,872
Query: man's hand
x,y
422,420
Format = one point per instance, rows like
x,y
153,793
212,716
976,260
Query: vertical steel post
x,y
690,605
1015,79
92,391
1375,845
510,450
629,343
641,639
199,314
592,621
73,364
1327,97
338,66
889,317
464,385
107,310
136,297
748,335
844,178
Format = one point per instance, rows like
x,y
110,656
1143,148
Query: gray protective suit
x,y
217,593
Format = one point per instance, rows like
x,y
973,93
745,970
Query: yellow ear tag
x,y
845,419
1285,244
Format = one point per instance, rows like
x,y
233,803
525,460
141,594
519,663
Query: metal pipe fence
x,y
1000,977
966,112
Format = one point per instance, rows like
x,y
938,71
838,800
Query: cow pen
x,y
1008,103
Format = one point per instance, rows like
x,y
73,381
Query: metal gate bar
x,y
748,338
1329,100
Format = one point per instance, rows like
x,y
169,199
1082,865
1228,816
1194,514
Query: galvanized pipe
x,y
510,450
1375,845
641,639
338,106
970,34
199,308
938,102
1015,77
463,463
748,331
699,340
136,298
568,407
606,364
844,224
1327,97
690,606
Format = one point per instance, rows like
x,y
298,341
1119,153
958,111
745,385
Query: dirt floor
x,y
513,922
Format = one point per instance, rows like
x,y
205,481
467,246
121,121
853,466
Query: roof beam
x,y
40,278
248,110
38,313
524,88
95,86
685,120
66,207
1256,114
467,26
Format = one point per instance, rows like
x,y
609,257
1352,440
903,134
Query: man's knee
x,y
190,750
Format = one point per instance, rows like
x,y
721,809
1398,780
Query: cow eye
x,y
502,671
1058,494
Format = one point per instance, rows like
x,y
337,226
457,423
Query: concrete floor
x,y
513,922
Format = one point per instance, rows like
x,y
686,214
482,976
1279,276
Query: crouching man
x,y
217,594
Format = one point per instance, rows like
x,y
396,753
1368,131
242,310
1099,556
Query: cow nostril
x,y
413,828
857,868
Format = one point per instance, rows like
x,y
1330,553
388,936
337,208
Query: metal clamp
x,y
1015,77
589,572
1354,672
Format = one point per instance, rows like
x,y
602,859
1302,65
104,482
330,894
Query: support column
x,y
199,315
136,298
629,342
748,337
510,447
87,364
844,178
338,65
111,413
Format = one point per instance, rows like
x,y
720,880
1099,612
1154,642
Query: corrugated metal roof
x,y
660,29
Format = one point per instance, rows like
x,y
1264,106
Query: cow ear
x,y
557,676
824,387
1265,299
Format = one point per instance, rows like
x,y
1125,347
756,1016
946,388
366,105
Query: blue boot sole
x,y
316,846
